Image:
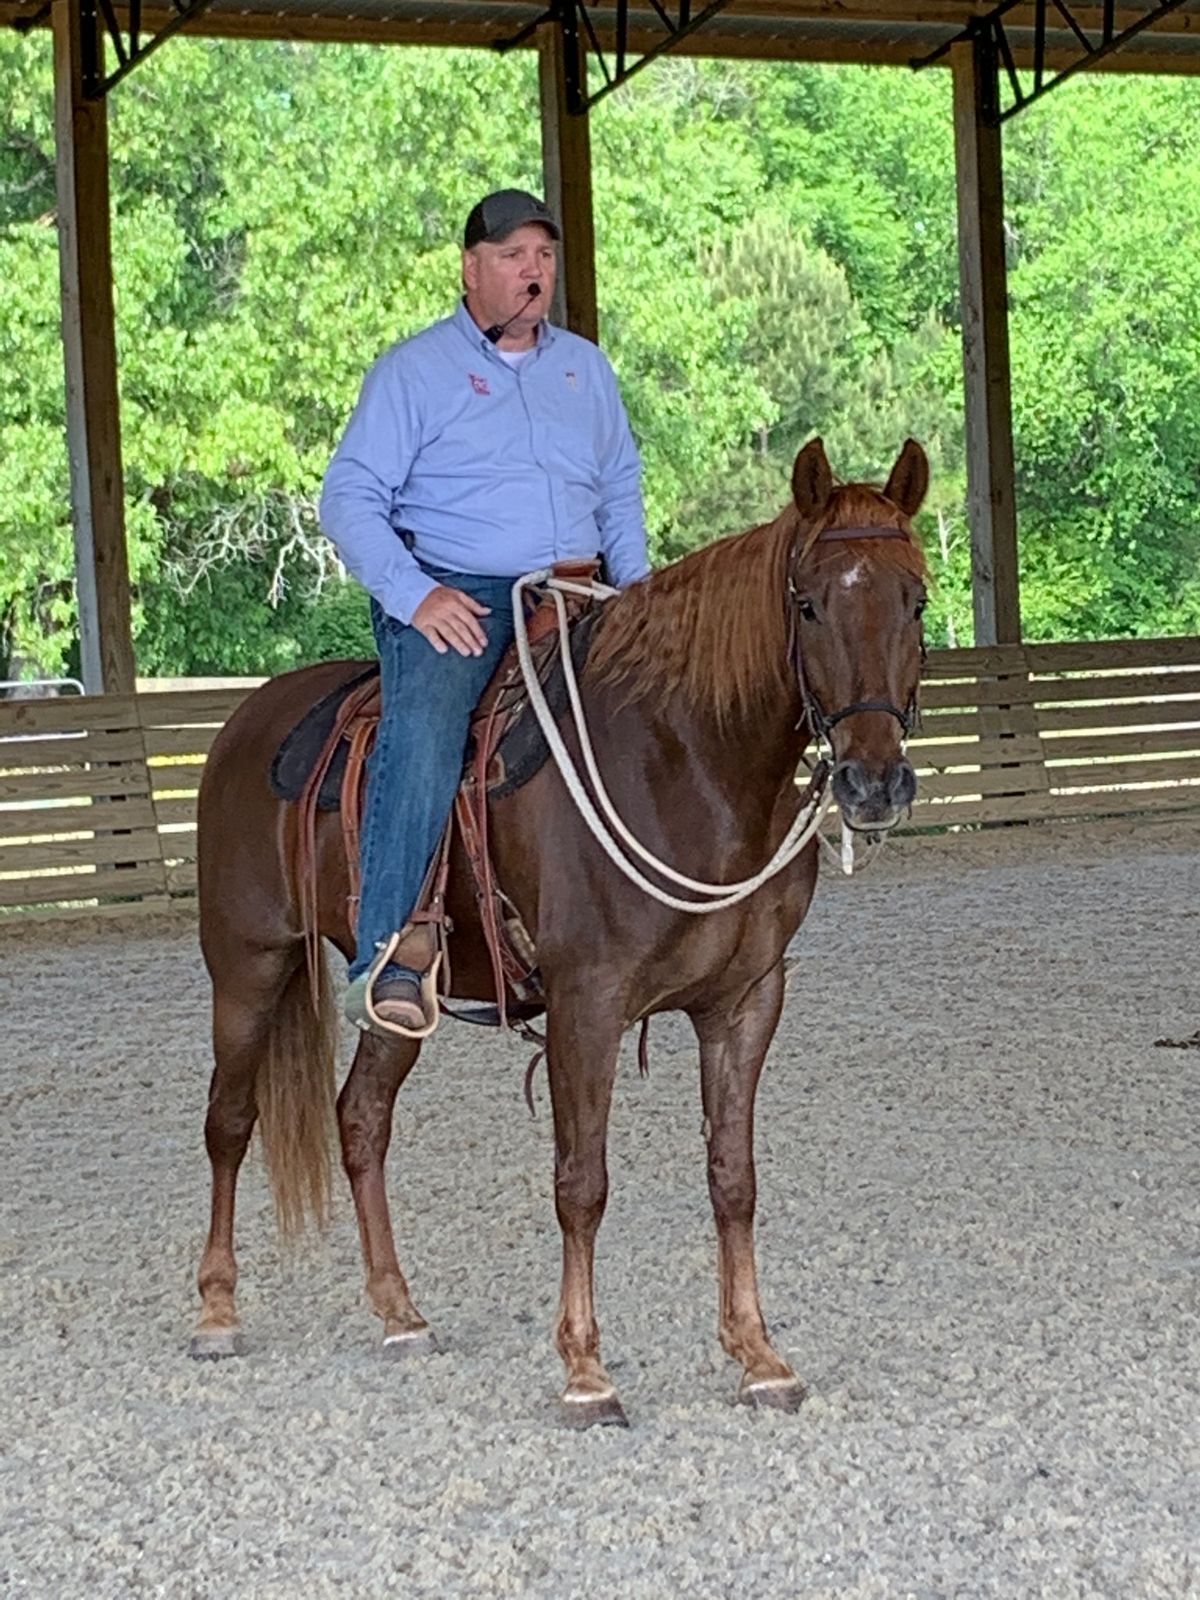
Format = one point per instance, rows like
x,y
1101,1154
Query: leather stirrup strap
x,y
470,801
431,902
362,733
509,968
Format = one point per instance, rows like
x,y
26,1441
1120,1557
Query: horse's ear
x,y
812,481
909,482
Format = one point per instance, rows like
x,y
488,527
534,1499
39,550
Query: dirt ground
x,y
979,1210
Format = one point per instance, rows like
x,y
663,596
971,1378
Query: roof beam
x,y
734,33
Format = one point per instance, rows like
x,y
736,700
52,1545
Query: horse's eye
x,y
807,610
920,610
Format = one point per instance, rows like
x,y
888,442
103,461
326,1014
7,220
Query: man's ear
x,y
470,269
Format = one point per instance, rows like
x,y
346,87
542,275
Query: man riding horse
x,y
489,445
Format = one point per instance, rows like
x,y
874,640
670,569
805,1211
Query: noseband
x,y
821,722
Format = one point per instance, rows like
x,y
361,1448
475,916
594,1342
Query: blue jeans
x,y
414,770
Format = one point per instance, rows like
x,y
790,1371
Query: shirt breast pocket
x,y
576,431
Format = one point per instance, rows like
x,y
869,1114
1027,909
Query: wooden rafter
x,y
884,32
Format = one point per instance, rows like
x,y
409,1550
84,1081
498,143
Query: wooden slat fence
x,y
98,795
98,799
178,727
1049,732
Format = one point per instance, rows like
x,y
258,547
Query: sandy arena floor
x,y
979,1208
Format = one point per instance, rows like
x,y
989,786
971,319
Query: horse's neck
x,y
751,761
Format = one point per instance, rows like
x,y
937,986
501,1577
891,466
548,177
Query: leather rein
x,y
821,722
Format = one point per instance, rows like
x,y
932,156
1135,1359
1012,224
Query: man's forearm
x,y
371,549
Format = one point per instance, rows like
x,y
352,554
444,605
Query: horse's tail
x,y
295,1095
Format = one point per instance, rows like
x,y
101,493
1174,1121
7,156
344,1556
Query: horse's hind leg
x,y
243,1015
365,1123
733,1046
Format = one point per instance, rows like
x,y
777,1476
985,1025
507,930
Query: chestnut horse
x,y
705,684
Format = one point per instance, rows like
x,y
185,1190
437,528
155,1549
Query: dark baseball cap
x,y
502,213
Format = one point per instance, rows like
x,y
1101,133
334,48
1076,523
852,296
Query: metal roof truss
x,y
130,43
618,65
1006,96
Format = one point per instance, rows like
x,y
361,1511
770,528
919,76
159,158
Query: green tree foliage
x,y
36,558
1106,356
826,372
776,258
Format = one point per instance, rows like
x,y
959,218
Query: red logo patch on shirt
x,y
480,385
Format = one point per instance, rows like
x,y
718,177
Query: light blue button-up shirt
x,y
492,469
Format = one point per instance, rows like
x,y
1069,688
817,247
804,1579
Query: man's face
x,y
497,278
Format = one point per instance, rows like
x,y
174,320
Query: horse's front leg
x,y
733,1046
581,1057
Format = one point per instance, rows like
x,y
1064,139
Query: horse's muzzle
x,y
874,799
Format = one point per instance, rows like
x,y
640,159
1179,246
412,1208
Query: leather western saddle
x,y
424,943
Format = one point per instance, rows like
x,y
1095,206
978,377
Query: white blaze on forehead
x,y
853,575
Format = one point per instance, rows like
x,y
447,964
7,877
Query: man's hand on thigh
x,y
449,619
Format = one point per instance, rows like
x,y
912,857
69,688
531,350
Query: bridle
x,y
820,722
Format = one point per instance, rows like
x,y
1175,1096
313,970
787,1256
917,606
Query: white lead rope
x,y
845,857
806,824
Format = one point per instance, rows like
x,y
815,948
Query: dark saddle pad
x,y
523,750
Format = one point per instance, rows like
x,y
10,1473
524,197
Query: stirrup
x,y
360,1007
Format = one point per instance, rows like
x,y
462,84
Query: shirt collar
x,y
470,329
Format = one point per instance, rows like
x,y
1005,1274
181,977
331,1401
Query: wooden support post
x,y
567,172
984,294
89,341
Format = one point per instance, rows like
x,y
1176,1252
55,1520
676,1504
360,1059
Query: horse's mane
x,y
714,624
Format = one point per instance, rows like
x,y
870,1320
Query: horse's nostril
x,y
902,784
850,783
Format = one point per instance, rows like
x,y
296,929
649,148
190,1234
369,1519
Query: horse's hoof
x,y
215,1344
417,1342
772,1394
592,1411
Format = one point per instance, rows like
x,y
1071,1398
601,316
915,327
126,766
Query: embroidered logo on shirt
x,y
572,381
480,385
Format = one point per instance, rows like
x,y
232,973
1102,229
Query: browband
x,y
860,533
